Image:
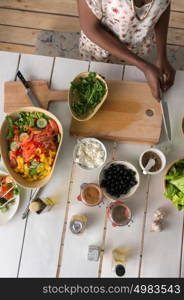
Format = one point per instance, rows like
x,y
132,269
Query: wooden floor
x,y
22,20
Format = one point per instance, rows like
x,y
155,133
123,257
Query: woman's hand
x,y
154,78
168,72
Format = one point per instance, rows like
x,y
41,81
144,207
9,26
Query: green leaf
x,y
10,128
179,183
16,190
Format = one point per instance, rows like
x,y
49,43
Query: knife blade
x,y
30,93
165,114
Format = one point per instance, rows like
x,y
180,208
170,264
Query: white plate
x,y
7,216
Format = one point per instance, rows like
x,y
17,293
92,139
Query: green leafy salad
x,y
175,184
89,91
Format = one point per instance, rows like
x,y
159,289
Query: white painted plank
x,y
162,251
35,67
43,235
65,71
175,101
76,247
9,64
133,74
11,234
109,71
128,236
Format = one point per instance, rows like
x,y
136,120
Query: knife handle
x,y
21,77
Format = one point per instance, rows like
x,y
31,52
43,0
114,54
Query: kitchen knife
x,y
165,114
36,193
30,93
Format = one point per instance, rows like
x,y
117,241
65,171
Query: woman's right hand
x,y
154,78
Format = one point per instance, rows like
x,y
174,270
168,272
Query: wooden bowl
x,y
73,98
167,170
4,149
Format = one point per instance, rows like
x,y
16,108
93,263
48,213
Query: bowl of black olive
x,y
119,180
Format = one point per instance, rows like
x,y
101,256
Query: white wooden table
x,y
42,245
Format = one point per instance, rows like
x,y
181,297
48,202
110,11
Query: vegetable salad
x,y
175,184
33,141
8,192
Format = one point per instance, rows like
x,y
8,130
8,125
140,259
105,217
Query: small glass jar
x,y
90,194
78,224
118,213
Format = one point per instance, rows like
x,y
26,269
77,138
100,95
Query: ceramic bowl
x,y
131,191
9,214
160,154
82,141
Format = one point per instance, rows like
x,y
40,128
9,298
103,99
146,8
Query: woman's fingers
x,y
155,89
169,81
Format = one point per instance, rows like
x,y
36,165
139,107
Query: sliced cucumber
x,y
14,146
4,209
23,136
41,123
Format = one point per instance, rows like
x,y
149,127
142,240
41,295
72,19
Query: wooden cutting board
x,y
130,113
15,95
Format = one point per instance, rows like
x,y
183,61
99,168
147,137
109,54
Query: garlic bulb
x,y
156,225
159,215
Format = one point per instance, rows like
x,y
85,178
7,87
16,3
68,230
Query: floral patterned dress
x,y
132,25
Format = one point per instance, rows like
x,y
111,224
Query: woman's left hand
x,y
168,72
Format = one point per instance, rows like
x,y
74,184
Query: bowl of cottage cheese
x,y
89,153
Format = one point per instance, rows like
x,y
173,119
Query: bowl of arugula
x,y
174,183
87,93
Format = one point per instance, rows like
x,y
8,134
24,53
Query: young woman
x,y
126,30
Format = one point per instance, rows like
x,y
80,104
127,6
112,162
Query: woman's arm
x,y
161,30
92,27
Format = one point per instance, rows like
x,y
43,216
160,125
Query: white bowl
x,y
160,154
132,190
8,215
86,140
